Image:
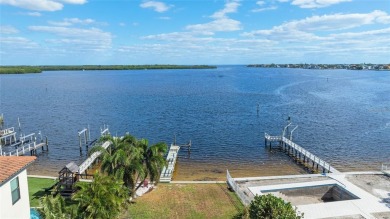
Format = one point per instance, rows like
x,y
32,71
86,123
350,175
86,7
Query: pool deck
x,y
365,206
271,188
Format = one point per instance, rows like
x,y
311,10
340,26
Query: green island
x,y
38,69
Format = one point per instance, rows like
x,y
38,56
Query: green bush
x,y
269,207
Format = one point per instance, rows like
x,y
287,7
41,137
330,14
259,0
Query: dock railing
x,y
272,138
24,149
232,184
385,166
309,155
92,158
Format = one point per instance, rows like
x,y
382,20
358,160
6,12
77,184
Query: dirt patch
x,y
382,215
378,185
265,182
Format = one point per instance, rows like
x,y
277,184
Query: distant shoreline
x,y
39,69
374,67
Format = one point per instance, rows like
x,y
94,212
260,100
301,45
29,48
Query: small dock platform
x,y
167,172
25,148
386,168
299,153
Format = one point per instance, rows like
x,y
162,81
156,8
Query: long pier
x,y
89,161
167,171
299,153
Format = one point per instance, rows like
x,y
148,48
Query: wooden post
x,y
47,144
80,144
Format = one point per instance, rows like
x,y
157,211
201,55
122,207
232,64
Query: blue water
x,y
34,214
343,115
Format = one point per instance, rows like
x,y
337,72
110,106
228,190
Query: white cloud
x,y
316,3
76,2
92,39
122,24
221,22
260,3
263,6
157,6
303,28
36,5
265,9
230,7
41,5
17,43
72,21
33,14
6,29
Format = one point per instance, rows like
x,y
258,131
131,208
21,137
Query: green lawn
x,y
36,188
186,201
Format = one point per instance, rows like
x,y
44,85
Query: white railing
x,y
385,166
272,138
23,149
92,158
167,171
7,131
245,199
309,155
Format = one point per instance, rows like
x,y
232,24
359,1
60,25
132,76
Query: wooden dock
x,y
89,161
25,148
299,153
8,136
167,172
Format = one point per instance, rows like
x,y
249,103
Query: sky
x,y
104,32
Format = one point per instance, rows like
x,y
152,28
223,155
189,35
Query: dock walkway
x,y
89,161
299,152
25,148
167,172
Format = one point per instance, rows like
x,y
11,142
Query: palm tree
x,y
102,198
133,161
155,160
54,207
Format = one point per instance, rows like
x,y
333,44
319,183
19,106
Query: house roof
x,y
11,165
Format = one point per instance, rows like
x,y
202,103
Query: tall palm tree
x,y
100,199
133,161
54,207
155,160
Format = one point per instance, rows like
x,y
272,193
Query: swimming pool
x,y
34,214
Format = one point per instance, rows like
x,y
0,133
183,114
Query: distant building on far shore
x,y
14,197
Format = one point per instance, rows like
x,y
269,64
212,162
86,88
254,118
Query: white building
x,y
14,198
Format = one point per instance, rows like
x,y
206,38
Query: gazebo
x,y
67,177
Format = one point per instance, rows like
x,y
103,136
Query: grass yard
x,y
36,189
186,201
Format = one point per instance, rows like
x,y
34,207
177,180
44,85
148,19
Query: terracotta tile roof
x,y
10,165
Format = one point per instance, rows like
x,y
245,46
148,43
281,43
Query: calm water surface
x,y
343,116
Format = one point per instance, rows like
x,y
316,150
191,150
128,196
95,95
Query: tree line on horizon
x,y
23,69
